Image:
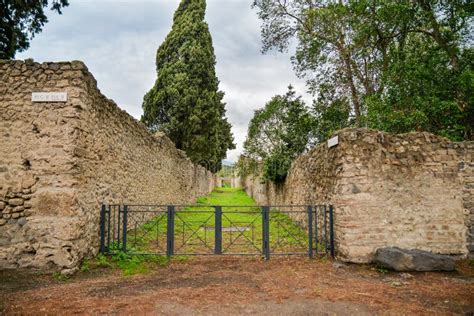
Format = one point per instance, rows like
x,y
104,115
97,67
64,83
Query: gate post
x,y
102,229
218,230
331,229
266,232
124,229
310,231
325,230
170,232
119,212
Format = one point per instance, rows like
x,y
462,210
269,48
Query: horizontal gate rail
x,y
168,230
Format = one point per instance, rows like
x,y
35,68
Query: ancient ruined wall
x,y
60,161
413,191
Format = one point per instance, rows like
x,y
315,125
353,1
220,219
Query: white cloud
x,y
118,40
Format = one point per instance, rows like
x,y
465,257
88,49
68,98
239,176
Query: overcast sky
x,y
117,40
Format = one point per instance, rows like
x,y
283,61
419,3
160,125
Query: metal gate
x,y
218,230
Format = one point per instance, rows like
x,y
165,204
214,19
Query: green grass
x,y
137,264
130,264
57,276
194,227
227,196
85,266
194,233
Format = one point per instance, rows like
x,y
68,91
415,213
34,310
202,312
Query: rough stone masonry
x,y
60,160
413,191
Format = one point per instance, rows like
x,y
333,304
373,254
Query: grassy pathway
x,y
241,228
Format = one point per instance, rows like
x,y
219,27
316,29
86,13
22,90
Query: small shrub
x,y
136,264
381,269
276,167
85,266
102,261
57,276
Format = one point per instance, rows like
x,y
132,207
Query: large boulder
x,y
398,259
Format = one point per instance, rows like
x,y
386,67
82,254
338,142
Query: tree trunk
x,y
350,79
438,37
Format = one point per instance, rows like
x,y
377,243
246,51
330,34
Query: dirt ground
x,y
213,286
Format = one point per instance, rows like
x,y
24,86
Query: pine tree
x,y
185,102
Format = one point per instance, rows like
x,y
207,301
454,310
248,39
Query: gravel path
x,y
228,285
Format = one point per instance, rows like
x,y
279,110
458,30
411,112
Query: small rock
x,y
2,205
28,181
53,66
11,194
18,209
69,272
3,221
338,265
7,210
396,283
75,64
15,215
15,202
22,221
355,189
28,204
406,275
7,216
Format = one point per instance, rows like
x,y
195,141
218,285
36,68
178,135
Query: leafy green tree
x,y
20,20
429,80
185,102
424,93
278,133
330,113
398,65
246,166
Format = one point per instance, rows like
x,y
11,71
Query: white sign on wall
x,y
333,141
49,97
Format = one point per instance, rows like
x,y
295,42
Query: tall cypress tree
x,y
185,102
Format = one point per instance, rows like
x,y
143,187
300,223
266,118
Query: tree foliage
x,y
185,102
277,134
20,20
394,65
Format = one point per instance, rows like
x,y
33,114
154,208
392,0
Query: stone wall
x,y
60,161
413,191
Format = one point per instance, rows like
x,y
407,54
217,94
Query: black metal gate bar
x,y
317,229
310,231
331,229
218,230
102,229
108,230
118,226
266,232
124,229
170,232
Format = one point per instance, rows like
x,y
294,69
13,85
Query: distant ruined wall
x,y
413,191
60,161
